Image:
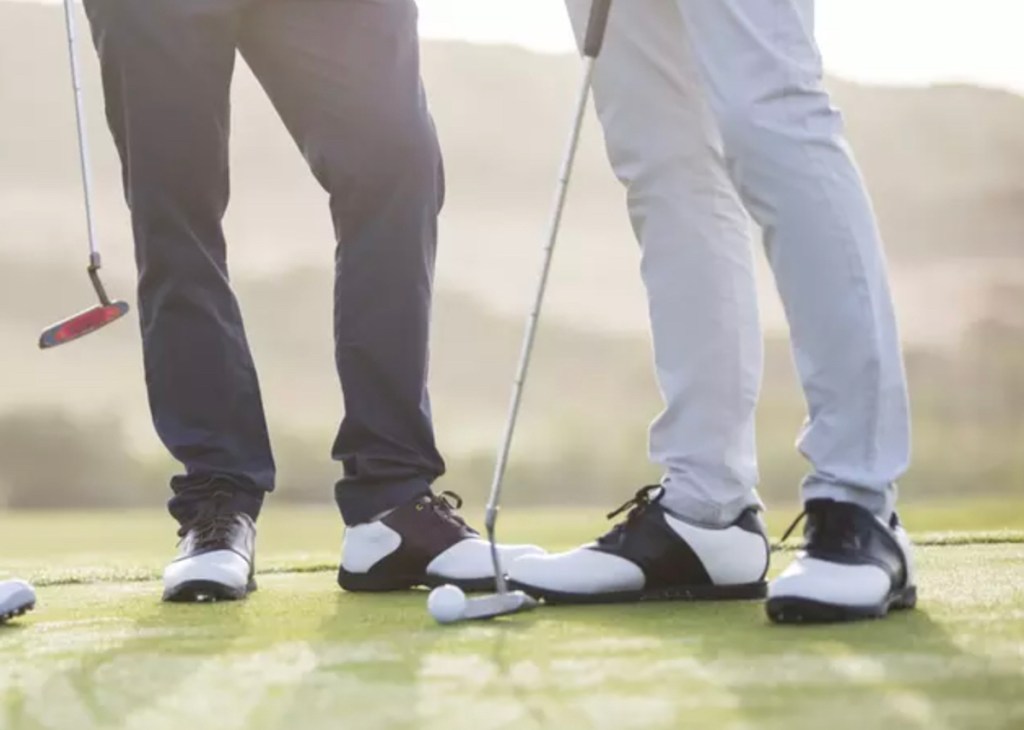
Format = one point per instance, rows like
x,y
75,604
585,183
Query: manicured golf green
x,y
101,651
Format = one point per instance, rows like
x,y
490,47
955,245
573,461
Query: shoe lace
x,y
830,529
446,506
212,523
636,506
789,531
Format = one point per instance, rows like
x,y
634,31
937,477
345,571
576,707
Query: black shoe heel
x,y
906,600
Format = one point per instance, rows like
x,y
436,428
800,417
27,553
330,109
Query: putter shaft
x,y
529,339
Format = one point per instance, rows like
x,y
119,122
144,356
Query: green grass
x,y
103,652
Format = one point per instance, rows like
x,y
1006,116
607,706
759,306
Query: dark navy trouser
x,y
344,77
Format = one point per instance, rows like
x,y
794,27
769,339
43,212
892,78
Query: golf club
x,y
106,311
505,601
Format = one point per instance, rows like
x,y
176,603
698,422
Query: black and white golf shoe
x,y
16,598
853,565
653,555
422,543
216,557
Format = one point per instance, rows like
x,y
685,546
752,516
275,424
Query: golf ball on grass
x,y
447,604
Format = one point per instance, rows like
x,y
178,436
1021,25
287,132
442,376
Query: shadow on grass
x,y
144,668
725,665
362,661
382,662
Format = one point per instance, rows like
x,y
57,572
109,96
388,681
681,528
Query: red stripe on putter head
x,y
82,324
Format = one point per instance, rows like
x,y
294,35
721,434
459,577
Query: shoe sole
x,y
206,591
792,610
15,612
743,592
370,583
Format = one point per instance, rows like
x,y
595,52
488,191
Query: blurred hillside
x,y
946,167
74,430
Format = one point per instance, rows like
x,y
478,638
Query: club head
x,y
493,605
82,324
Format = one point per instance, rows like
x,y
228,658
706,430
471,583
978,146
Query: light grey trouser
x,y
711,109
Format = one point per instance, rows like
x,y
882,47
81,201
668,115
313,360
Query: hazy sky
x,y
878,41
873,41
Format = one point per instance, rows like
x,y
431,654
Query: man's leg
x,y
167,68
345,79
699,535
785,148
697,260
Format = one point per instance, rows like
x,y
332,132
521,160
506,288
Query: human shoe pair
x,y
853,565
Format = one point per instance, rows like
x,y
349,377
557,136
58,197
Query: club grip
x,y
596,27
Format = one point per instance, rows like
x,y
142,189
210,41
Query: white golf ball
x,y
447,604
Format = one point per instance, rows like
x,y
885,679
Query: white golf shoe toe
x,y
16,598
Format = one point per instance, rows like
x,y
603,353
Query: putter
x,y
504,601
106,311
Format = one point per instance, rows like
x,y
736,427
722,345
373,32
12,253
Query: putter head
x,y
82,324
498,604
